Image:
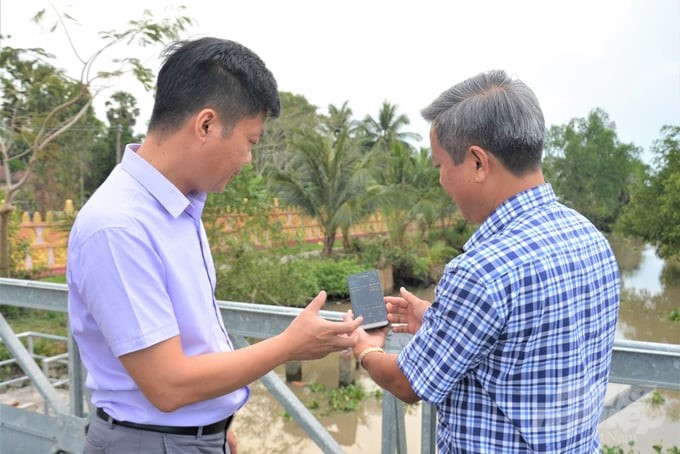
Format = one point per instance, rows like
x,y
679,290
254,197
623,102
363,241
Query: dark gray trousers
x,y
104,437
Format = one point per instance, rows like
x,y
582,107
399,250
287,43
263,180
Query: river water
x,y
650,292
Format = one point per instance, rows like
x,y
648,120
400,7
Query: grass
x,y
656,399
57,279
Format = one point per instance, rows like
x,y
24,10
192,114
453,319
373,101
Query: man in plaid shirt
x,y
515,351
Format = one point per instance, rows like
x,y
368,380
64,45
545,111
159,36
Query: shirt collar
x,y
509,210
160,187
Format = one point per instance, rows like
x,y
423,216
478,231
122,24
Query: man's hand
x,y
382,367
367,339
311,337
405,312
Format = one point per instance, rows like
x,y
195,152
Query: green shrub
x,y
18,246
675,315
417,262
260,276
372,252
268,277
332,275
412,265
660,449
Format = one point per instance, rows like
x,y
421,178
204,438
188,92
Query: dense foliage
x,y
42,107
654,210
590,169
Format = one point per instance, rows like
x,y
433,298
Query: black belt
x,y
217,427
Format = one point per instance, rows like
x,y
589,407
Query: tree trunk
x,y
328,242
5,212
345,239
119,152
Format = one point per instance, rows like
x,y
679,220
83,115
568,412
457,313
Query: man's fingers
x,y
356,323
411,298
348,317
395,303
400,328
394,318
394,300
347,326
408,296
397,309
317,303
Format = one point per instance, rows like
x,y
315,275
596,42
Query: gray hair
x,y
494,112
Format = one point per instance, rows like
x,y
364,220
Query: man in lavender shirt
x,y
163,374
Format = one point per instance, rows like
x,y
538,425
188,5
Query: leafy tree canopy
x,y
41,103
654,210
590,169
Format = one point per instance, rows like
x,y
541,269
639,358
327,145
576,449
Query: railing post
x,y
393,425
428,433
293,371
75,378
346,368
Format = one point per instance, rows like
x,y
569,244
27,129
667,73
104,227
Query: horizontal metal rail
x,y
646,364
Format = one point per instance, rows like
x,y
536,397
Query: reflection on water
x,y
646,276
649,294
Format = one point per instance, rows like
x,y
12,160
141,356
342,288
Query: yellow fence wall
x,y
46,243
46,239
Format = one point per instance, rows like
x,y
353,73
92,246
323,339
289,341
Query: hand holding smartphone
x,y
366,296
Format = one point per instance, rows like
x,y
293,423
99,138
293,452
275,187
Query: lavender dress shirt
x,y
140,271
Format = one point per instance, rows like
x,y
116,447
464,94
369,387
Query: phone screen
x,y
366,295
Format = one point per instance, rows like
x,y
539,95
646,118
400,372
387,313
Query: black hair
x,y
216,73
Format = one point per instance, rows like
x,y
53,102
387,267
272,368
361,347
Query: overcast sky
x,y
622,56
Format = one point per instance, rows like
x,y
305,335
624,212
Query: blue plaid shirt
x,y
515,351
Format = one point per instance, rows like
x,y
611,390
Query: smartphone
x,y
366,296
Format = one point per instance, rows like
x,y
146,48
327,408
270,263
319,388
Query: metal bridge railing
x,y
643,365
44,361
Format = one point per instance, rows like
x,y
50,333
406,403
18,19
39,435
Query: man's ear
x,y
204,122
481,161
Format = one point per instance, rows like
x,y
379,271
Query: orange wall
x,y
46,251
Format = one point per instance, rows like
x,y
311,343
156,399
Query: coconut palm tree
x,y
326,178
339,119
385,130
409,193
